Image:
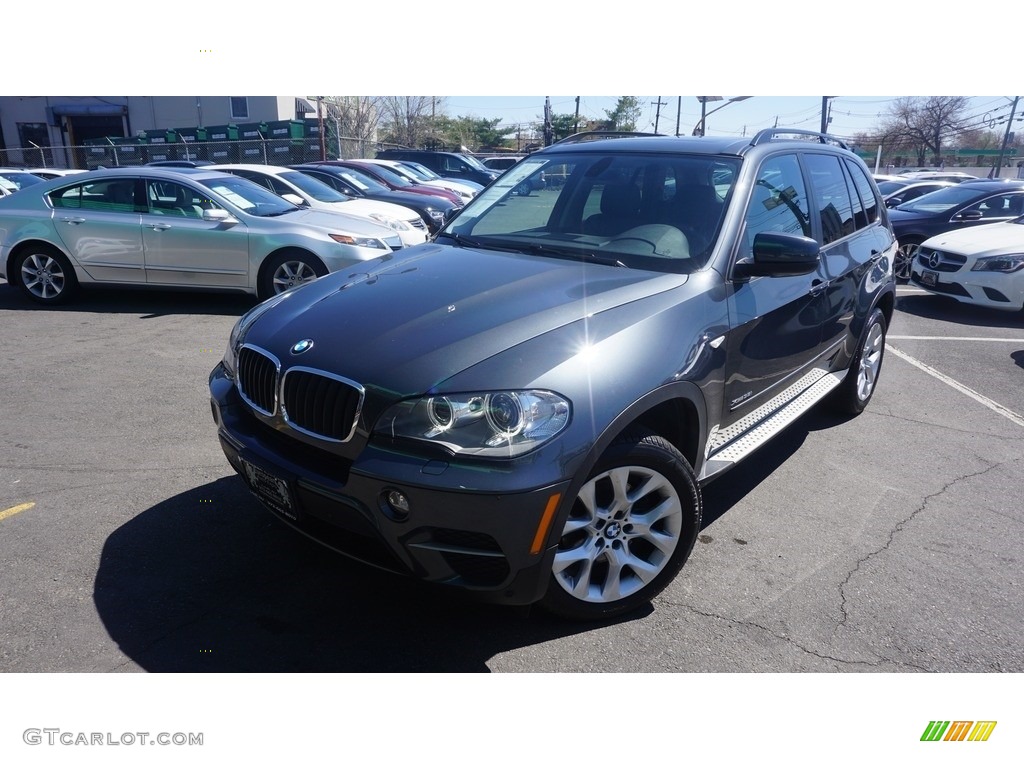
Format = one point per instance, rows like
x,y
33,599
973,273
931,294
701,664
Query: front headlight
x,y
1010,263
501,424
390,223
362,242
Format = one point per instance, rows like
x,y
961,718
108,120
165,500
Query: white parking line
x,y
991,404
953,338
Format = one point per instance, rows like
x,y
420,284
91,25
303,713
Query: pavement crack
x,y
892,536
871,664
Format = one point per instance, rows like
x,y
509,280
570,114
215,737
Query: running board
x,y
728,446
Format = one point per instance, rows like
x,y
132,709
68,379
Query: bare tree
x,y
407,120
921,125
351,123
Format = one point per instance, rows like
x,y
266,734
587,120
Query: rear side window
x,y
833,199
868,209
113,196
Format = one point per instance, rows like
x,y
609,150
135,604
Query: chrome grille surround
x,y
257,376
321,404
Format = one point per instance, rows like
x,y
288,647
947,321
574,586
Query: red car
x,y
394,181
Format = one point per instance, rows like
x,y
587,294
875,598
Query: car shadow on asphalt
x,y
146,302
210,581
952,311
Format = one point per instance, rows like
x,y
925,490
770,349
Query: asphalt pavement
x,y
889,542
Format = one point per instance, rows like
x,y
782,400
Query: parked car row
x,y
959,235
256,228
968,204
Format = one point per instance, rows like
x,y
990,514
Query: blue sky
x,y
850,114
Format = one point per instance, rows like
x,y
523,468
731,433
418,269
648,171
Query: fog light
x,y
396,504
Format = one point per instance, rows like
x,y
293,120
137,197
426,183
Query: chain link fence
x,y
113,153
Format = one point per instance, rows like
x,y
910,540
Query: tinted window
x,y
867,208
832,196
113,195
778,202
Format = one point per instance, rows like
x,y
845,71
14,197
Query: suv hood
x,y
418,317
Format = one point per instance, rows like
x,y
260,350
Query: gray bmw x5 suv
x,y
529,406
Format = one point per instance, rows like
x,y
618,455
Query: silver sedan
x,y
173,228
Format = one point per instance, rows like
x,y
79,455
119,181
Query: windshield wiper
x,y
572,253
461,240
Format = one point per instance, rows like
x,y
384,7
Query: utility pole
x,y
825,119
679,112
1006,140
320,123
548,137
576,123
657,111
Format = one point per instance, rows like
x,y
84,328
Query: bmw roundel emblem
x,y
302,346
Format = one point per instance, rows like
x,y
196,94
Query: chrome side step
x,y
730,445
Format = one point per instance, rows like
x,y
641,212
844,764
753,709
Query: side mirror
x,y
219,214
972,215
779,254
892,202
295,200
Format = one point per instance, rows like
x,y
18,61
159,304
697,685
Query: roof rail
x,y
578,138
770,133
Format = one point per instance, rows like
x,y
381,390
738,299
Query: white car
x,y
13,179
464,191
305,191
978,265
53,173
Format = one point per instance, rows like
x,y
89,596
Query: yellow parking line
x,y
15,510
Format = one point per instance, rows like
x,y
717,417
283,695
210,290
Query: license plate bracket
x,y
929,278
275,492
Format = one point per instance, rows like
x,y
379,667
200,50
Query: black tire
x,y
45,275
904,258
287,270
853,395
615,555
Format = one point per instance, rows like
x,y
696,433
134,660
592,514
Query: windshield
x,y
942,200
391,177
361,181
315,188
888,187
20,179
474,163
249,197
628,210
418,171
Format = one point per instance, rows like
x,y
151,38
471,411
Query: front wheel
x,y
904,259
852,396
631,528
288,270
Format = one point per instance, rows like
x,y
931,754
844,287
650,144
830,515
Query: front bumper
x,y
497,544
983,289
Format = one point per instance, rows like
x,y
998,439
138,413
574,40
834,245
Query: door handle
x,y
818,286
73,220
159,227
